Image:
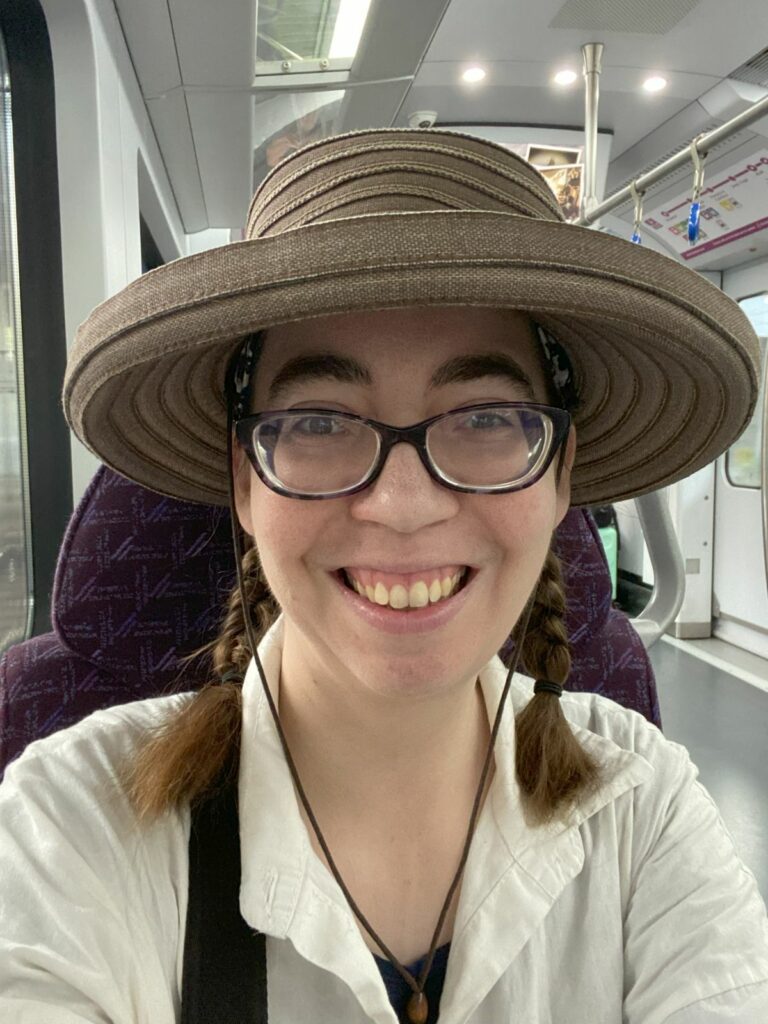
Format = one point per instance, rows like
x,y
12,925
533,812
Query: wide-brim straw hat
x,y
666,365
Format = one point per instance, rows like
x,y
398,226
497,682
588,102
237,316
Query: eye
x,y
317,426
487,421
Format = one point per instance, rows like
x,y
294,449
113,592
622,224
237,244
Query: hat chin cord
x,y
417,1007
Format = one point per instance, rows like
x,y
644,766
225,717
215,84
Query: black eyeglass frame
x,y
416,435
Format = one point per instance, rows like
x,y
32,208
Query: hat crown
x,y
397,170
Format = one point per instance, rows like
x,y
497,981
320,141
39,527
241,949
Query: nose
x,y
405,497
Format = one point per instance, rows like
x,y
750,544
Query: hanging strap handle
x,y
225,965
697,159
637,198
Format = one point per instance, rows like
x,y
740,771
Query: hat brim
x,y
665,364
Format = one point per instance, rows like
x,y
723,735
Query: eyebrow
x,y
327,366
318,366
486,364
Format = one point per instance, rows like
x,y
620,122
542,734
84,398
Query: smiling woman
x,y
399,524
399,383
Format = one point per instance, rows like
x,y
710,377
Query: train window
x,y
15,570
742,462
309,35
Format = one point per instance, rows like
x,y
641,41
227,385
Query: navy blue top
x,y
399,990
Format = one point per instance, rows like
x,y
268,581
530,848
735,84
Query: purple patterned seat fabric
x,y
142,580
608,655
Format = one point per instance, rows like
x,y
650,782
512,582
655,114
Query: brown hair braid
x,y
199,747
553,769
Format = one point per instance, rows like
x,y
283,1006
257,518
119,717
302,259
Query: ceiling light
x,y
350,21
473,75
655,83
565,77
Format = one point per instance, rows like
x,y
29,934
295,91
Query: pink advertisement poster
x,y
734,205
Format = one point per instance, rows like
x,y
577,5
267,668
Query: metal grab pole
x,y
704,143
655,520
593,65
668,568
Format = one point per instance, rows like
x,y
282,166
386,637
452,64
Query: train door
x,y
740,586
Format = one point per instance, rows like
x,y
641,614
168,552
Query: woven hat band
x,y
352,176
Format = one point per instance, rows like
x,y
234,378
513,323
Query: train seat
x,y
142,579
608,656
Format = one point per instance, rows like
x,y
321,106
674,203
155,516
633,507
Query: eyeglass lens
x,y
317,453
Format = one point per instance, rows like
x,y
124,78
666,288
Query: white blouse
x,y
637,912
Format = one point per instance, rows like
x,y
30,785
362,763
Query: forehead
x,y
398,343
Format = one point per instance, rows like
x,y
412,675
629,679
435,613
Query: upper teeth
x,y
418,595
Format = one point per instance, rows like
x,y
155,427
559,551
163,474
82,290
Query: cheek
x,y
523,518
522,525
287,531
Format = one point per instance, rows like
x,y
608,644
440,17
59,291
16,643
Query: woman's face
x,y
405,526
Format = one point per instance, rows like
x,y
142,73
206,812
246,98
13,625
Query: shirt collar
x,y
513,873
623,768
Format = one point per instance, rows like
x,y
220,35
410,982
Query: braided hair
x,y
553,770
197,750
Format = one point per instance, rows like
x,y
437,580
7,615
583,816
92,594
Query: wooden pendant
x,y
418,1008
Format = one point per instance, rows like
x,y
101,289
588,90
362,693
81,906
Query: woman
x,y
426,367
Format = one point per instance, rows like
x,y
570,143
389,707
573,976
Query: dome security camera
x,y
422,118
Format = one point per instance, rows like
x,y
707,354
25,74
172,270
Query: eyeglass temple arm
x,y
668,567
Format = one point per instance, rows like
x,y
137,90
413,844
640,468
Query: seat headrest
x,y
141,579
587,578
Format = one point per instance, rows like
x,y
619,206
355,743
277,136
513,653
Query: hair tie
x,y
545,686
232,675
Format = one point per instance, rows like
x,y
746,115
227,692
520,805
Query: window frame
x,y
758,409
49,465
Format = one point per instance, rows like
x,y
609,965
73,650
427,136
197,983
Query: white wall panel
x,y
102,127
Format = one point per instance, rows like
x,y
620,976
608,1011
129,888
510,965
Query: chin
x,y
438,668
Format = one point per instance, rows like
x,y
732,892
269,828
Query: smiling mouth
x,y
435,587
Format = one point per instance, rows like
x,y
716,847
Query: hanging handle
x,y
697,159
637,197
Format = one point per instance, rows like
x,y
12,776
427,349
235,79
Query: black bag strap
x,y
224,979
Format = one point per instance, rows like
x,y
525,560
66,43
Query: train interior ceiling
x,y
162,119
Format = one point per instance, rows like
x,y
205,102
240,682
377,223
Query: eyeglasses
x,y
492,448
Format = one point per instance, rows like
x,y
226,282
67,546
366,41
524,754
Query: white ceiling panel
x,y
655,17
520,92
170,121
221,126
148,32
725,35
215,41
528,74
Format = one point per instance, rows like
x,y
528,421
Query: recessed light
x,y
655,83
474,75
565,77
